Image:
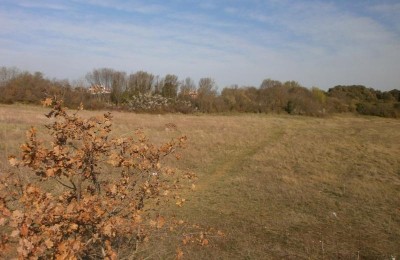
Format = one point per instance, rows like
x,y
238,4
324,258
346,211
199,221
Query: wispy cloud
x,y
40,4
316,43
127,6
207,5
386,8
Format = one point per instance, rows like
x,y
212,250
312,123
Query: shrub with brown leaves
x,y
107,190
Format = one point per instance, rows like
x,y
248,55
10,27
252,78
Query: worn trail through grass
x,y
231,162
302,188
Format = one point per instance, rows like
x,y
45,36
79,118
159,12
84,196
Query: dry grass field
x,y
279,187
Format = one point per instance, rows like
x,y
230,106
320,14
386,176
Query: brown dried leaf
x,y
62,247
13,161
73,227
17,216
47,102
50,172
113,189
180,202
179,254
108,230
31,190
71,208
57,150
111,255
14,233
25,148
49,244
153,223
24,230
76,245
186,240
6,212
160,221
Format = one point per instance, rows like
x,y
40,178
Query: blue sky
x,y
317,43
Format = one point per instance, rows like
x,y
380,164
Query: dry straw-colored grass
x,y
279,186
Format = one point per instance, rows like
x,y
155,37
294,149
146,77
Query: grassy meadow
x,y
278,186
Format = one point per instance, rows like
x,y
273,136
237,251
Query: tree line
x,y
145,92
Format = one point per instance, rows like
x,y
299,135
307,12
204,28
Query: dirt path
x,y
233,161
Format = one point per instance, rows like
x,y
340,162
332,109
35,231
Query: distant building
x,y
193,94
99,89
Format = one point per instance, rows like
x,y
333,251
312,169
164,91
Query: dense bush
x,y
30,88
379,109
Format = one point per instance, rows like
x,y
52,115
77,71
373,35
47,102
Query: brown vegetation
x,y
277,186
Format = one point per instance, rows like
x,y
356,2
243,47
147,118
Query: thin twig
x,y
63,184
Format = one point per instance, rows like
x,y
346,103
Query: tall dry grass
x,y
279,186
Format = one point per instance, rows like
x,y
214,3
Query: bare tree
x,y
7,74
187,87
158,84
170,87
140,82
118,86
206,94
270,83
207,87
103,77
